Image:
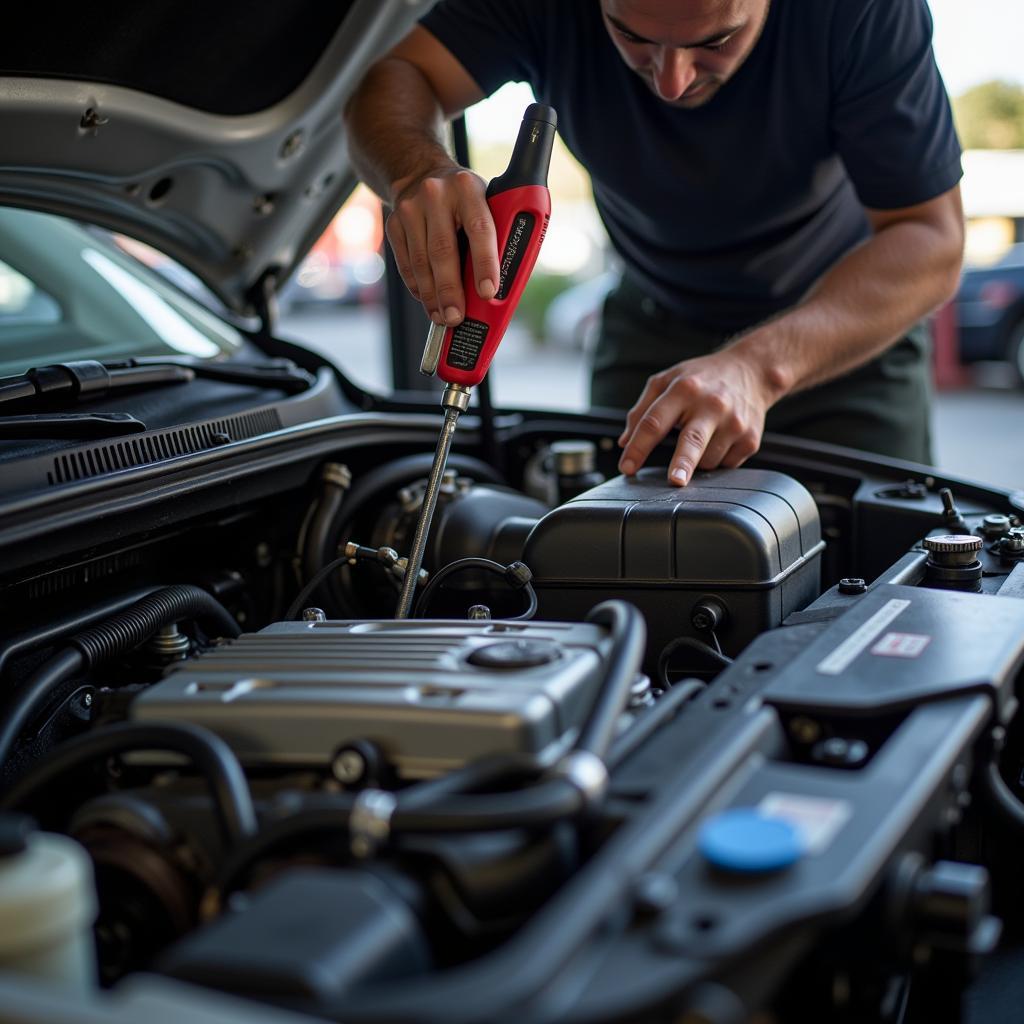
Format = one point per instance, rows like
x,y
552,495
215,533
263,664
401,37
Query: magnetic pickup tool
x,y
521,207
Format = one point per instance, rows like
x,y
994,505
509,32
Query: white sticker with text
x,y
816,819
840,659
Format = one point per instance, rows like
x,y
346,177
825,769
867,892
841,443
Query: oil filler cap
x,y
511,654
744,841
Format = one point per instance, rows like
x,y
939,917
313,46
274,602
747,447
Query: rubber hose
x,y
34,693
535,807
1001,797
118,635
208,752
59,628
316,549
134,625
629,638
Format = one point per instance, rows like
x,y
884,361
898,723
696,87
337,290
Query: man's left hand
x,y
719,403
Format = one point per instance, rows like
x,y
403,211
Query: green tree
x,y
991,116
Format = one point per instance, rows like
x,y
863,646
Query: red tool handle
x,y
521,207
521,221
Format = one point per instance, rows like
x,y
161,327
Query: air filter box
x,y
748,538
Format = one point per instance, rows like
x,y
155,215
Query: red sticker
x,y
901,645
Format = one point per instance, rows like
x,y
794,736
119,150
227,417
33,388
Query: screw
x,y
87,700
291,145
349,766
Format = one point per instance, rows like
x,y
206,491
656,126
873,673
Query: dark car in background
x,y
990,312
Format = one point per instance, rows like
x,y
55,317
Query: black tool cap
x,y
531,156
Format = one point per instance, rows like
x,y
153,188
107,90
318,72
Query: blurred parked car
x,y
990,311
573,317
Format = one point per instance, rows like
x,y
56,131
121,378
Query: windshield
x,y
68,292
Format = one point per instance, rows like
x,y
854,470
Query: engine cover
x,y
431,695
748,538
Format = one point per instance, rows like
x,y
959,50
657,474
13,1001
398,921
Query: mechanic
x,y
781,181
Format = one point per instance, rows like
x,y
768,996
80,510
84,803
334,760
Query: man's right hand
x,y
423,227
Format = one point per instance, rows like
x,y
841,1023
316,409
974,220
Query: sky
x,y
975,41
978,40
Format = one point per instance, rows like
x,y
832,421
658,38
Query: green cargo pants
x,y
881,407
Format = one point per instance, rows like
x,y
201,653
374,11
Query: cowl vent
x,y
159,445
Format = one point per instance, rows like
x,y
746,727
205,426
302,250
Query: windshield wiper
x,y
279,374
87,378
65,383
69,425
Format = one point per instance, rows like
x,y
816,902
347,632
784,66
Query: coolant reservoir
x,y
47,906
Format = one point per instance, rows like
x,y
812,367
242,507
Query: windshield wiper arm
x,y
70,382
280,374
88,378
69,425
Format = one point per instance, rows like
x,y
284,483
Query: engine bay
x,y
745,747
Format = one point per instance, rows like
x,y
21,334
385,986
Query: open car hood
x,y
213,132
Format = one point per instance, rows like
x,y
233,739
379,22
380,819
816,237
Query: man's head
x,y
685,50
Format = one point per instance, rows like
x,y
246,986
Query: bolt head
x,y
349,767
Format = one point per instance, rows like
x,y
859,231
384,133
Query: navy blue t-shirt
x,y
728,213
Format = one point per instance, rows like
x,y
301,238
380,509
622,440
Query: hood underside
x,y
213,132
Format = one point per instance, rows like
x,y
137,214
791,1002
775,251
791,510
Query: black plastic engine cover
x,y
749,538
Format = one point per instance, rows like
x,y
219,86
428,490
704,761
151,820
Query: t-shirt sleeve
x,y
891,119
496,41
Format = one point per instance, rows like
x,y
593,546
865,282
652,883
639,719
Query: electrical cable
x,y
708,652
307,591
207,751
516,575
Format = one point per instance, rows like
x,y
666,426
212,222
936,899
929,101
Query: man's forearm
x,y
864,304
396,128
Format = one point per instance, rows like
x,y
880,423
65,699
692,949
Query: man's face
x,y
685,50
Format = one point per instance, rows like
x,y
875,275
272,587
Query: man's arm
x,y
865,303
395,121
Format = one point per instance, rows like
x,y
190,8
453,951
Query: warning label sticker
x,y
843,656
467,342
816,819
901,645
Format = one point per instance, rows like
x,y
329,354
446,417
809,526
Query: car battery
x,y
747,539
